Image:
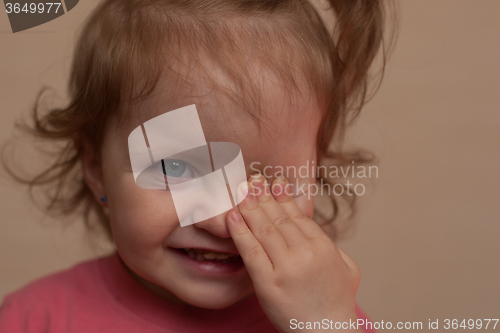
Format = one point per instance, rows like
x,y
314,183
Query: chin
x,y
215,299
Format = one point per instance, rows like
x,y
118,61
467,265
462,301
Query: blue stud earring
x,y
103,199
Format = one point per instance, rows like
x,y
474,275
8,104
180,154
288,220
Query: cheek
x,y
141,219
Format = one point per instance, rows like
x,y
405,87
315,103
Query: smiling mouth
x,y
205,255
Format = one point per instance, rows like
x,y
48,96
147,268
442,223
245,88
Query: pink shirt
x,y
101,296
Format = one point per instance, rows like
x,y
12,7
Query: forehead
x,y
269,118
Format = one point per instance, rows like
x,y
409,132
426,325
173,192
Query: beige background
x,y
427,235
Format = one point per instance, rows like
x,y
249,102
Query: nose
x,y
216,225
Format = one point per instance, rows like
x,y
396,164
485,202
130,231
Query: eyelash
x,y
188,168
172,161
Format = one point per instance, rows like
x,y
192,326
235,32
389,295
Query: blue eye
x,y
176,171
173,168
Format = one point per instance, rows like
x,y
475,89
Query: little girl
x,y
267,75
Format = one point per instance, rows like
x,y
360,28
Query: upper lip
x,y
231,251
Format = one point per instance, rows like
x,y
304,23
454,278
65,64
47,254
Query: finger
x,y
282,193
257,221
251,251
291,233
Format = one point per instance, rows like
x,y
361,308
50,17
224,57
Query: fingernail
x,y
242,191
279,185
257,183
280,180
236,216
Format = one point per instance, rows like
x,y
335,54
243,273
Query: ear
x,y
92,173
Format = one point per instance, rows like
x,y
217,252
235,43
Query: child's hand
x,y
297,270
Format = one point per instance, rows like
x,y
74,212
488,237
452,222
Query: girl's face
x,y
144,222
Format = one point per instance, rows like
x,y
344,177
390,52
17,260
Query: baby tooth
x,y
191,254
207,255
210,255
